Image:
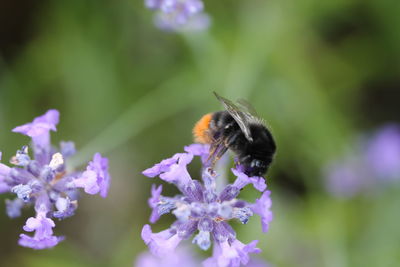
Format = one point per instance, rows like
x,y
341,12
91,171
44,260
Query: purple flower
x,y
39,131
4,172
199,150
43,237
41,125
262,207
160,244
172,169
347,178
163,166
96,178
231,255
383,153
243,180
204,208
374,161
153,202
44,182
175,15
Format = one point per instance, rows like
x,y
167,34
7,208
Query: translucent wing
x,y
249,111
241,117
245,105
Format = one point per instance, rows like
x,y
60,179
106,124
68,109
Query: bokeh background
x,y
322,73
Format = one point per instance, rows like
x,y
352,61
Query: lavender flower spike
x,y
202,207
42,180
176,15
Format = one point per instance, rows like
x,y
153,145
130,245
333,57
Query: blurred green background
x,y
319,72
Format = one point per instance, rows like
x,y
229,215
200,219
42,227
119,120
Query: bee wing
x,y
245,105
241,117
249,111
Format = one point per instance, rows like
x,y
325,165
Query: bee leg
x,y
220,153
215,146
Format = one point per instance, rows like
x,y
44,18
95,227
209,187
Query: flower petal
x,y
160,244
262,207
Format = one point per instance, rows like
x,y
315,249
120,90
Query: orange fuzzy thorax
x,y
201,130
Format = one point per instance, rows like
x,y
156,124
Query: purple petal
x,y
177,173
262,207
40,125
39,130
4,172
244,250
161,167
88,181
200,150
234,254
258,183
153,201
160,244
43,243
96,177
155,195
43,236
227,255
242,180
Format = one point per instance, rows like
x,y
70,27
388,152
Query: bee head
x,y
253,166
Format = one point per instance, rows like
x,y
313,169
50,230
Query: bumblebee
x,y
239,129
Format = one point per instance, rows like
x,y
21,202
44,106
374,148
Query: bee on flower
x,y
205,209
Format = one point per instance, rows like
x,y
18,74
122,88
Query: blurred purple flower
x,y
374,160
383,153
347,178
181,257
202,207
184,256
44,182
176,15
